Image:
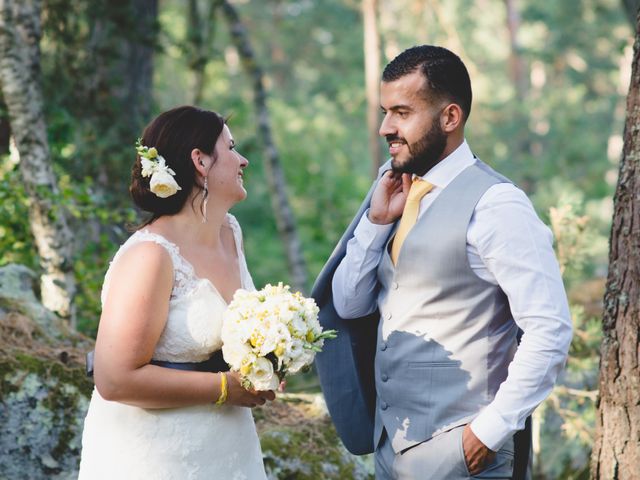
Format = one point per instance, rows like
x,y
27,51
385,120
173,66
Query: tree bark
x,y
277,186
199,40
372,80
20,80
135,66
631,10
616,453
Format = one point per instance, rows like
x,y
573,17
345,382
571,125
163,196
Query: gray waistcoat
x,y
446,337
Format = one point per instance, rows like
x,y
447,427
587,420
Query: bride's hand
x,y
240,396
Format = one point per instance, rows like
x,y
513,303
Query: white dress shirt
x,y
507,245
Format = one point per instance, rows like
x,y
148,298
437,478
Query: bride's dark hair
x,y
175,133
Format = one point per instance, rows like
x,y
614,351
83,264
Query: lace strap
x,y
247,281
237,232
183,274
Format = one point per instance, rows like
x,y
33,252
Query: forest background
x,y
549,81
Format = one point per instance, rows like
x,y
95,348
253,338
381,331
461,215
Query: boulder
x,y
44,396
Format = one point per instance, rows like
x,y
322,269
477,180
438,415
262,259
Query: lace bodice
x,y
192,331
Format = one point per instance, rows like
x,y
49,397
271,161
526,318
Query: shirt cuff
x,y
371,236
491,429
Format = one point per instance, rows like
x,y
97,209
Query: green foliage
x,y
559,137
100,231
571,407
15,237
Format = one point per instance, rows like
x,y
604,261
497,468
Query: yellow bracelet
x,y
223,389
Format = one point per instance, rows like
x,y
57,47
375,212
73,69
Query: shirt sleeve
x,y
355,283
517,249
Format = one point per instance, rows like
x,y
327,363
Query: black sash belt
x,y
215,363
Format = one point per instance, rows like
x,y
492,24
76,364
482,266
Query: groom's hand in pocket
x,y
240,396
476,454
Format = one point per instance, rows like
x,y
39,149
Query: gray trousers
x,y
439,458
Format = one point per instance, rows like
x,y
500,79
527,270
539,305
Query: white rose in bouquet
x,y
269,333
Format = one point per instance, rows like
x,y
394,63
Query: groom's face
x,y
411,124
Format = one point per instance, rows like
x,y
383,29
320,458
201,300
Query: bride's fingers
x,y
268,395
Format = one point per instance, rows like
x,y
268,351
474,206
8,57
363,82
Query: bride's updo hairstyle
x,y
174,134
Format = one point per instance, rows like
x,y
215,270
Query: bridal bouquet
x,y
269,333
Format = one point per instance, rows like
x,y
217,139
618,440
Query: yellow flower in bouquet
x,y
269,333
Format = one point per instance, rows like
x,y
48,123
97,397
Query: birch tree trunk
x,y
20,81
277,186
372,80
616,453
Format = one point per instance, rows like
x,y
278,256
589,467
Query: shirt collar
x,y
450,167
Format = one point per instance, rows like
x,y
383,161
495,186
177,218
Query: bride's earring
x,y
205,199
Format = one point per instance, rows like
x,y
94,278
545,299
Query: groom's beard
x,y
425,153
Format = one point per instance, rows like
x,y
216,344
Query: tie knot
x,y
419,188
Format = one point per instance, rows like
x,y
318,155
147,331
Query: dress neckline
x,y
191,268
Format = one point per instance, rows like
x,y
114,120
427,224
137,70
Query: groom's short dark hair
x,y
445,74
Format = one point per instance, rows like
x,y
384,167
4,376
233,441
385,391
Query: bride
x,y
162,303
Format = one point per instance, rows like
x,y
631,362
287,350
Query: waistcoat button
x,y
384,377
383,347
384,406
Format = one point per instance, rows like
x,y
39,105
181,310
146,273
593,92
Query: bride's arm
x,y
133,317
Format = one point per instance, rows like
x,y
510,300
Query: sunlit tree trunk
x,y
372,80
519,75
275,176
517,66
616,453
20,80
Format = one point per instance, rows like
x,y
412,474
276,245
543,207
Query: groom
x,y
443,265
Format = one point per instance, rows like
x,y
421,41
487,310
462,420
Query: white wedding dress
x,y
122,442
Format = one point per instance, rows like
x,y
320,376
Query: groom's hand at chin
x,y
476,454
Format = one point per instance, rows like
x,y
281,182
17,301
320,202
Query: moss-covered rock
x,y
43,399
17,294
299,442
42,407
44,396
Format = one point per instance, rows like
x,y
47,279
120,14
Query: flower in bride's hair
x,y
161,183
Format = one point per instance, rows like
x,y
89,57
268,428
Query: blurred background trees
x,y
549,80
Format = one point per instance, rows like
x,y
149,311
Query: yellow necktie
x,y
419,188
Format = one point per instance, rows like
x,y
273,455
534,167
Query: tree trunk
x,y
199,40
20,80
121,46
517,67
631,10
616,453
135,66
282,210
519,74
372,80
